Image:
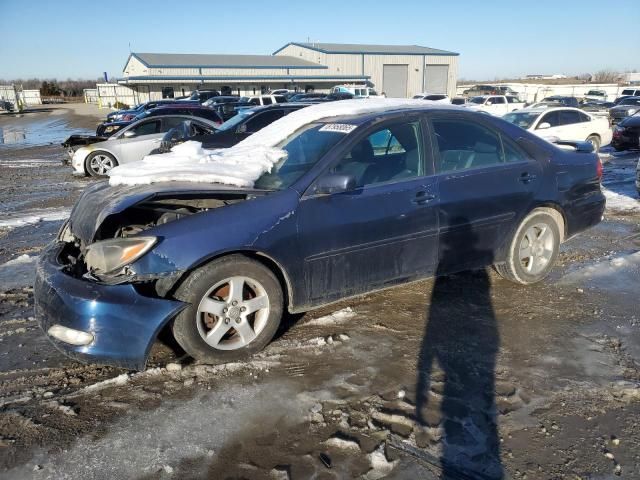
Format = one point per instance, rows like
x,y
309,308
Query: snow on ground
x,y
145,443
18,272
619,274
335,318
26,163
35,216
622,202
244,163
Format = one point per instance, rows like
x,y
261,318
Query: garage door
x,y
394,80
436,78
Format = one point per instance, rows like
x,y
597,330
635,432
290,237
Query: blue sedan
x,y
360,203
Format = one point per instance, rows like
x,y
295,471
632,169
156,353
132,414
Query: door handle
x,y
423,197
527,177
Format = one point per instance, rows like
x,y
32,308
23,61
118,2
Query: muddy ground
x,y
465,377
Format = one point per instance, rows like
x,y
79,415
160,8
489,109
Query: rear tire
x,y
533,249
235,309
98,164
595,141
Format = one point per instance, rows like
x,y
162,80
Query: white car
x,y
131,143
358,91
563,123
259,100
433,97
495,104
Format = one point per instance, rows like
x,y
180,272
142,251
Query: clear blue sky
x,y
77,39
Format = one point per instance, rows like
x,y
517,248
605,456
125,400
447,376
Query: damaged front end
x,y
101,292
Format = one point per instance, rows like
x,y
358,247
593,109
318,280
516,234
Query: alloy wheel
x,y
536,248
233,313
101,164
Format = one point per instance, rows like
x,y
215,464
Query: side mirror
x,y
129,134
543,126
334,183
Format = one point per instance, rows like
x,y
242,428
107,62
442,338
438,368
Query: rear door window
x,y
498,100
569,117
464,145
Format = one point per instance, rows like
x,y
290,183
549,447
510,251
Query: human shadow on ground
x,y
455,387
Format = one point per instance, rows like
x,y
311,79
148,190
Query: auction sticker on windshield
x,y
338,127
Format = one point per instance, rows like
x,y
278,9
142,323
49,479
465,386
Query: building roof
x,y
144,79
195,60
369,49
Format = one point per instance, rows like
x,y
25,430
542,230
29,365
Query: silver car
x,y
132,143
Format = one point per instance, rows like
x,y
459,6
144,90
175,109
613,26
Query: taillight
x,y
599,167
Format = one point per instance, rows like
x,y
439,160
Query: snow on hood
x,y
244,163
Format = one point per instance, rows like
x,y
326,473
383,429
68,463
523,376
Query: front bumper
x,y
124,322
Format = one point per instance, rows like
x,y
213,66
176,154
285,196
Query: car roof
x,y
361,118
273,106
545,110
165,117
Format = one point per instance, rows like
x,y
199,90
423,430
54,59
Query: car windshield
x,y
479,100
304,148
521,119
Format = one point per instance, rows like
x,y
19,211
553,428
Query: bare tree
x,y
605,76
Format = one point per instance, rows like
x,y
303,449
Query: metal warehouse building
x,y
397,70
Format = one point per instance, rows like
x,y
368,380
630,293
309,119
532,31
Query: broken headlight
x,y
109,256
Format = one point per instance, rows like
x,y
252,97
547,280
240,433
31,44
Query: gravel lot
x,y
521,382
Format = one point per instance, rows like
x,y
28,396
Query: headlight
x,y
631,111
109,129
109,256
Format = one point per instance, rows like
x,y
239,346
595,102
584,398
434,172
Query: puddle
x,y
37,133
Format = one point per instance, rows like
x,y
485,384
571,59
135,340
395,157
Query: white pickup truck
x,y
495,104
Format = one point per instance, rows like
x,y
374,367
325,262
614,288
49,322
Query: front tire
x,y
98,164
533,249
235,309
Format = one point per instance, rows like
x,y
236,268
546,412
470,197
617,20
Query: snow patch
x,y
617,274
112,382
617,202
191,163
18,272
342,444
26,163
242,164
380,466
335,318
36,216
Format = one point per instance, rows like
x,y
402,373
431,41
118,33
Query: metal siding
x,y
436,78
135,67
374,66
452,61
394,80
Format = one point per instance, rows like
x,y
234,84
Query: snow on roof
x,y
242,164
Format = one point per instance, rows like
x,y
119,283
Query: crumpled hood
x,y
102,200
